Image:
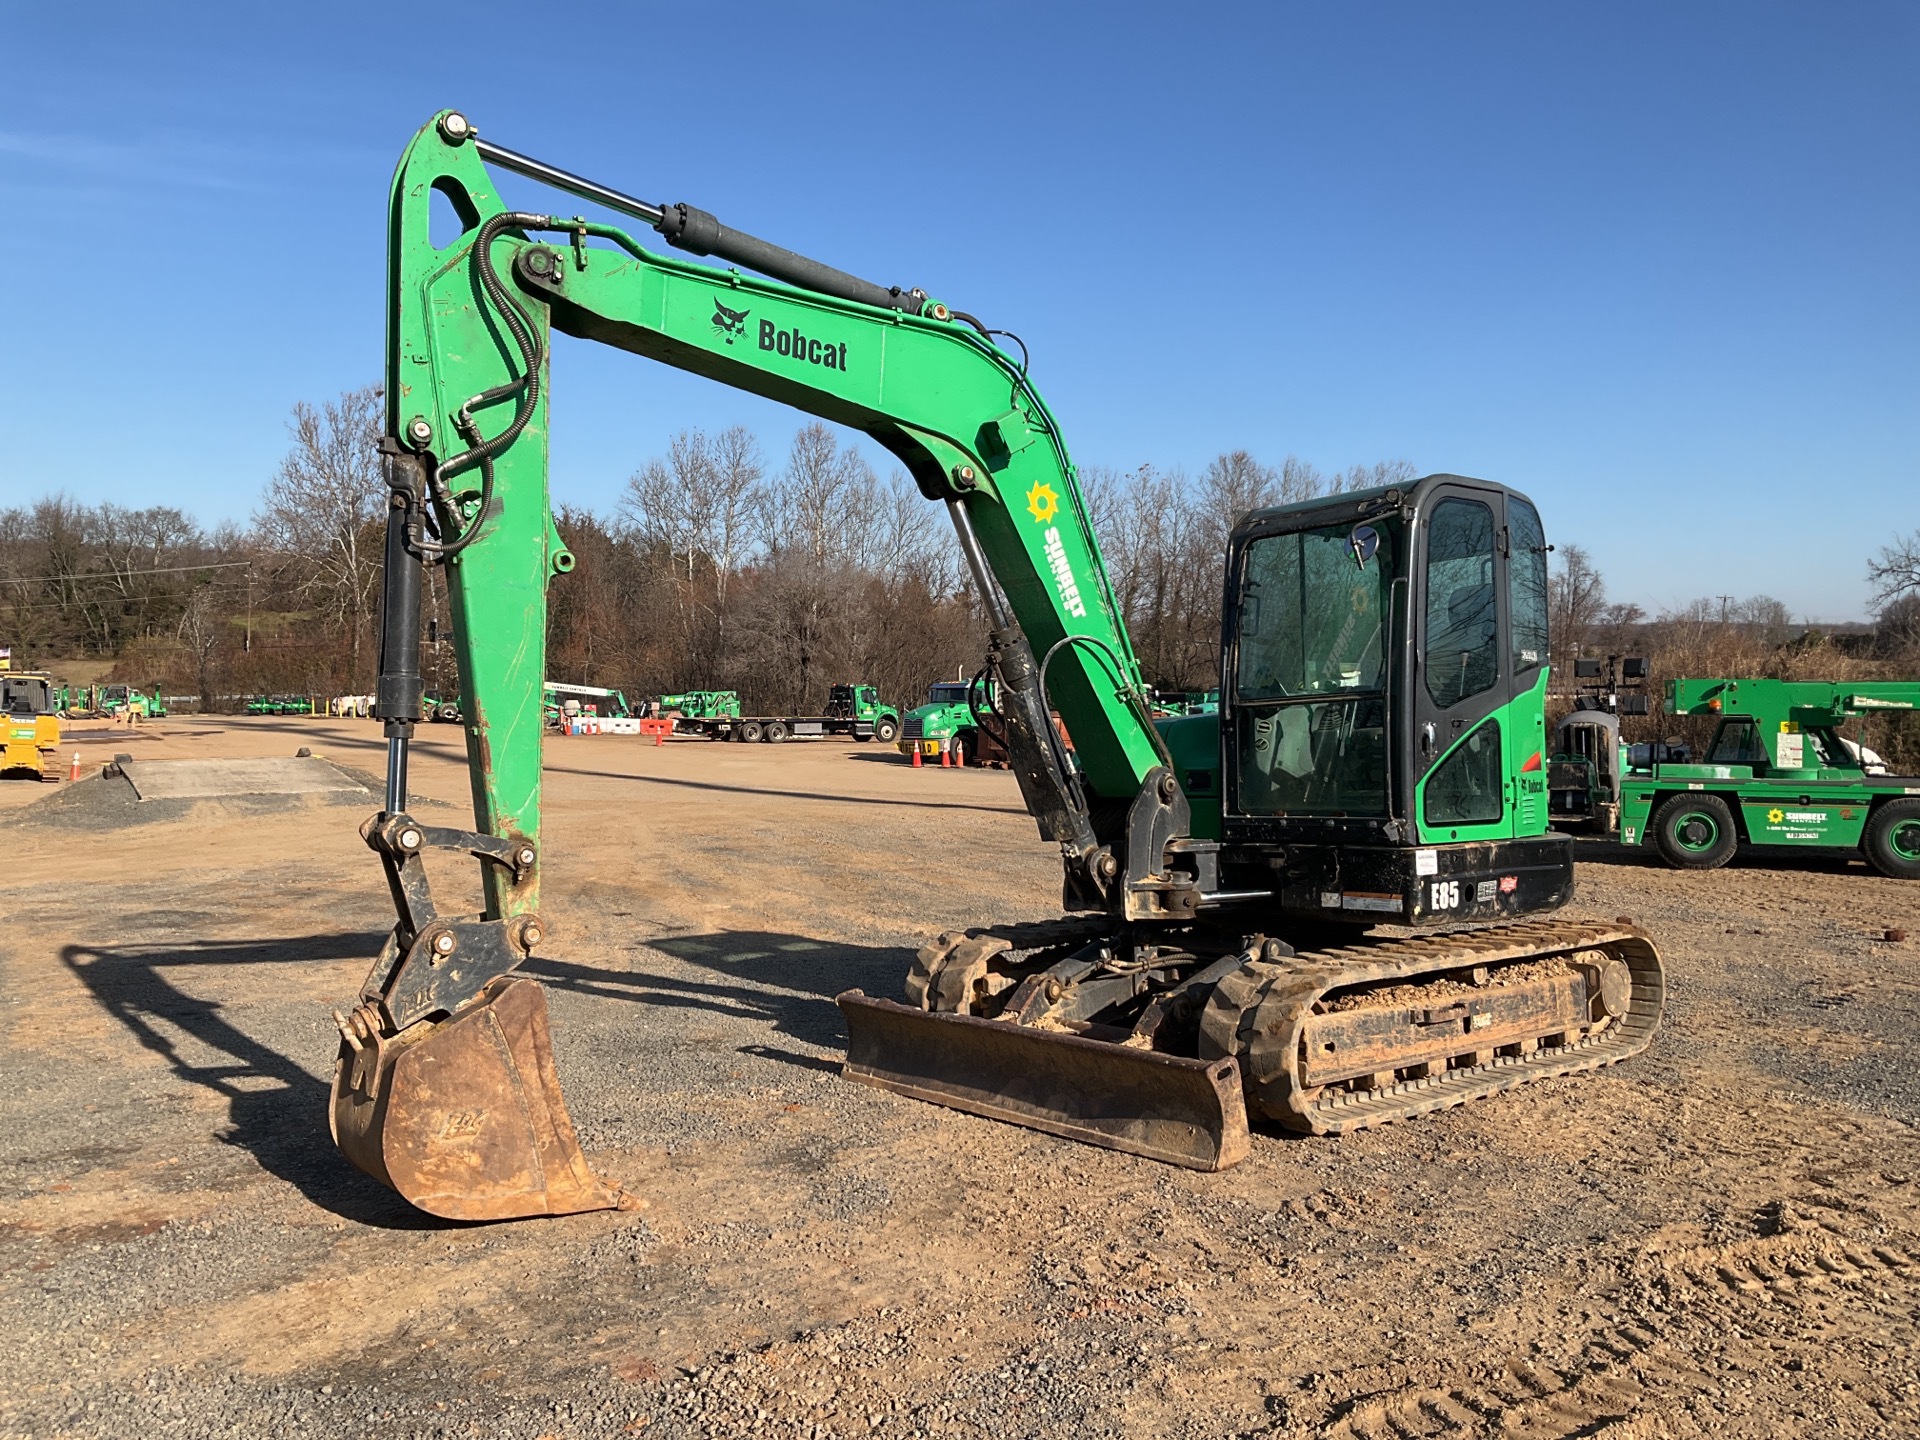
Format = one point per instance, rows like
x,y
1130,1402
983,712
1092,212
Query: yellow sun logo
x,y
1774,817
1042,503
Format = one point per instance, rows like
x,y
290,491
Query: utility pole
x,y
1725,601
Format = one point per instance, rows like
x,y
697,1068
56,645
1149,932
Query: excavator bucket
x,y
464,1117
1181,1111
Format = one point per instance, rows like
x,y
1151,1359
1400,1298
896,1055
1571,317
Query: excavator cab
x,y
1385,681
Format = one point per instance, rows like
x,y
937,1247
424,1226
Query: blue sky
x,y
1652,263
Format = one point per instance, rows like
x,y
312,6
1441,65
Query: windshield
x,y
947,695
1313,612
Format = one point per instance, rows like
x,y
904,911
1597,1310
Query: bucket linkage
x,y
445,1087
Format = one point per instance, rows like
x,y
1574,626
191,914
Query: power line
x,y
120,574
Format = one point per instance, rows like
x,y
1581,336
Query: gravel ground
x,y
1718,1238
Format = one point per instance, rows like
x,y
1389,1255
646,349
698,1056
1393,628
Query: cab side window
x,y
1527,585
1463,630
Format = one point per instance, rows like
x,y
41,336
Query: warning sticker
x,y
1791,752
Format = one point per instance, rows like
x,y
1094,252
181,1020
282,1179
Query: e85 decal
x,y
1443,895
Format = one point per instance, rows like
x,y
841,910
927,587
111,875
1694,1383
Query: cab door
x,y
1462,673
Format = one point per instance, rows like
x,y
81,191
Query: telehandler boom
x,y
1377,758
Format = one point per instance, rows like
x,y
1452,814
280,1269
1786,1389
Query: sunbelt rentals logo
x,y
1043,503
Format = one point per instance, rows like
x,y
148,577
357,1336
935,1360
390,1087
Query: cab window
x,y
1463,630
1737,742
1527,585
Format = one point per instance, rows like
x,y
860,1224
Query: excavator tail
x,y
464,1116
1165,1107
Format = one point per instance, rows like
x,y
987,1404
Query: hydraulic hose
x,y
481,452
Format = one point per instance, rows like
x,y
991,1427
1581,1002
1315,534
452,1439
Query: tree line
x,y
717,568
720,567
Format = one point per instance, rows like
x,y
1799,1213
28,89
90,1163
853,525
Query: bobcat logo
x,y
729,324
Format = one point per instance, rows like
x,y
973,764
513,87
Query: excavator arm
x,y
468,344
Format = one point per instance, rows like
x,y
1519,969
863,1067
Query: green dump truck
x,y
1778,773
945,721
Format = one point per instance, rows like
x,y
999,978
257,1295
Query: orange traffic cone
x,y
74,772
959,757
916,756
946,761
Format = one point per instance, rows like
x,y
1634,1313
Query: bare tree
x,y
1576,602
1897,630
1896,573
200,631
736,495
321,507
808,508
666,499
1230,486
1376,476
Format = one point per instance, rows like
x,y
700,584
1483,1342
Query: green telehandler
x,y
1778,773
1376,759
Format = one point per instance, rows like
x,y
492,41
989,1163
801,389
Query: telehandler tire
x,y
1695,832
1892,841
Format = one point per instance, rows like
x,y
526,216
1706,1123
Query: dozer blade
x,y
1184,1112
464,1117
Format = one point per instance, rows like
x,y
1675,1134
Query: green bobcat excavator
x,y
1377,758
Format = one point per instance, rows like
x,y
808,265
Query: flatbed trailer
x,y
773,729
854,711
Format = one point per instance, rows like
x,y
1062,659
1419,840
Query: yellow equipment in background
x,y
32,733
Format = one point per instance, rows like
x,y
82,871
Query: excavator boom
x,y
468,330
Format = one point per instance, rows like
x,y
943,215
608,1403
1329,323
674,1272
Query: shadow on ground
x,y
760,791
786,981
282,1122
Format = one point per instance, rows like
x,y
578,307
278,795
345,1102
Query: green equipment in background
x,y
559,701
947,719
857,710
1778,774
115,700
1588,759
701,704
282,705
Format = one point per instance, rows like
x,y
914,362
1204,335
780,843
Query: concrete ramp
x,y
212,779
